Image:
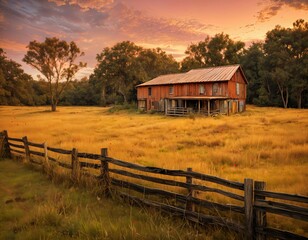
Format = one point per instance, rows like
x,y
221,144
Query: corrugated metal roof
x,y
212,74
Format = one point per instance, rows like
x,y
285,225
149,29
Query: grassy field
x,y
32,207
266,144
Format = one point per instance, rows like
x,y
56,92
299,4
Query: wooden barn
x,y
214,90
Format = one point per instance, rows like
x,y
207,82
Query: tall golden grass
x,y
266,144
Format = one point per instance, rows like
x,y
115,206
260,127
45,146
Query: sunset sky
x,y
169,24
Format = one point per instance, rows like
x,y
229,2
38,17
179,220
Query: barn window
x,y
215,89
171,89
150,91
201,89
237,89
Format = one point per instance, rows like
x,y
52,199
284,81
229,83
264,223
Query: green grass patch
x,y
32,207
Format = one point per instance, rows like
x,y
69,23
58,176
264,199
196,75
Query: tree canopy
x,y
217,51
55,60
125,65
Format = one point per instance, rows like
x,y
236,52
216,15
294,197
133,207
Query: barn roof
x,y
211,74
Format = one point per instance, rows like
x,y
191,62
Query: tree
x,y
286,60
216,51
15,85
125,65
55,60
252,61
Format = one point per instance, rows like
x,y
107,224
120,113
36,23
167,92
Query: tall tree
x,y
125,65
216,51
258,91
286,60
15,85
56,60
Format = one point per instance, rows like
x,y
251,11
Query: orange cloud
x,y
274,6
12,45
85,4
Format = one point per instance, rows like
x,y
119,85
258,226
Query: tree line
x,y
276,69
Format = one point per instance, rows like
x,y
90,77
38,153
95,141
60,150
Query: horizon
x,y
170,25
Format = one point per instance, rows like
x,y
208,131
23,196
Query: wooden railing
x,y
248,216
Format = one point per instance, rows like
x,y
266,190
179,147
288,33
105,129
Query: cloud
x,y
273,6
12,45
85,5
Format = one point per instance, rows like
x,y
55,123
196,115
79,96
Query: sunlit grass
x,y
34,208
265,144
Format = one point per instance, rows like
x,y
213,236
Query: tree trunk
x,y
53,107
103,96
124,96
299,99
284,99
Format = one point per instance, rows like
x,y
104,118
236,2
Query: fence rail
x,y
253,201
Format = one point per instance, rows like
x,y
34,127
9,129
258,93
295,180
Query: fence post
x,y
105,178
189,205
260,215
75,166
27,150
6,145
46,160
248,205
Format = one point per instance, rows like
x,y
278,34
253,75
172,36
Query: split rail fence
x,y
254,203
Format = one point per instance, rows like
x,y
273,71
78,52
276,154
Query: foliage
x,y
126,65
55,60
286,61
216,51
15,85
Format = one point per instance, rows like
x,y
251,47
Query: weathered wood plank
x,y
37,153
16,145
14,139
248,204
38,145
90,165
279,211
280,234
284,206
259,215
221,181
179,173
198,218
283,196
89,155
75,165
27,150
59,150
177,184
105,178
65,165
176,196
17,151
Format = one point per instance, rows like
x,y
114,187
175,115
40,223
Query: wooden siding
x,y
224,89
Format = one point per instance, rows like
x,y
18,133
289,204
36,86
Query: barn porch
x,y
204,105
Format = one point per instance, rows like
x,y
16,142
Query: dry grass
x,y
266,144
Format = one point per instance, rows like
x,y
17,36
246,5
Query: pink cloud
x,y
274,6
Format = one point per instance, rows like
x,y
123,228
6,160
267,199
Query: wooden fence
x,y
253,201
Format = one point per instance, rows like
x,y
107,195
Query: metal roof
x,y
211,74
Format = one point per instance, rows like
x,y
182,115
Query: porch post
x,y
208,107
185,104
198,106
